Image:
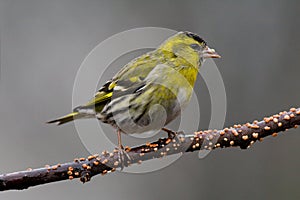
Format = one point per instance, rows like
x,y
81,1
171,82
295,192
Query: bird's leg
x,y
171,134
119,140
122,152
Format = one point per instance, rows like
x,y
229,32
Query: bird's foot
x,y
173,134
123,157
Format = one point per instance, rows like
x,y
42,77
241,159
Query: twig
x,y
242,136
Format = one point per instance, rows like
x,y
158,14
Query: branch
x,y
242,136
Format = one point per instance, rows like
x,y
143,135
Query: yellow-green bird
x,y
151,90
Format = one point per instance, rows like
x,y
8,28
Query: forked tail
x,y
67,118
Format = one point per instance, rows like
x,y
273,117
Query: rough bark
x,y
242,136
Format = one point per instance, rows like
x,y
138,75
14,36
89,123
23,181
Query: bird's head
x,y
189,46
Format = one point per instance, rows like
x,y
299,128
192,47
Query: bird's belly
x,y
135,120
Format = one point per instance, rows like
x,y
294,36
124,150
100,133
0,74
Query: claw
x,y
124,157
171,134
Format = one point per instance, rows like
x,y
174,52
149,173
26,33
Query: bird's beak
x,y
210,53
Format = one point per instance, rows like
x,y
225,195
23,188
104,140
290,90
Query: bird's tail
x,y
67,118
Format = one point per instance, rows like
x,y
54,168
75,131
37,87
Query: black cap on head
x,y
195,37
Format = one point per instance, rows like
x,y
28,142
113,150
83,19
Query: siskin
x,y
151,90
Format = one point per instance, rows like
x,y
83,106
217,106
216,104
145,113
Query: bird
x,y
150,91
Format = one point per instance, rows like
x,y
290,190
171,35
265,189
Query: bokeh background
x,y
44,42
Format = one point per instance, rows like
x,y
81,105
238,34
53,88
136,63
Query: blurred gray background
x,y
44,42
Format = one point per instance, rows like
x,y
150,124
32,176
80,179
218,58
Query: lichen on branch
x,y
242,136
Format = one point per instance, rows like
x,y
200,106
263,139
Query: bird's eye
x,y
195,47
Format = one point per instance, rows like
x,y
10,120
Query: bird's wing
x,y
127,81
101,98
